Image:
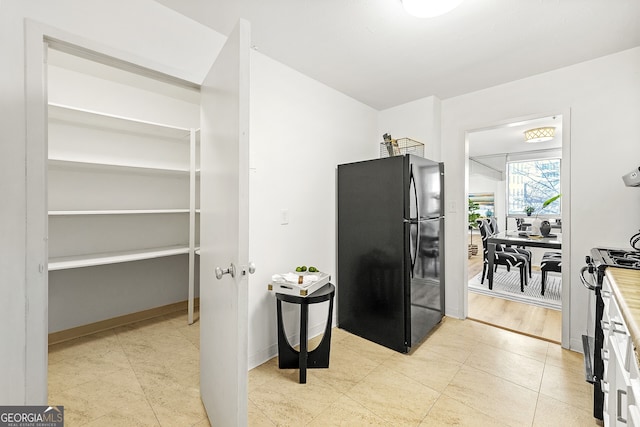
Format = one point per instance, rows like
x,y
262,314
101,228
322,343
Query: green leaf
x,y
551,200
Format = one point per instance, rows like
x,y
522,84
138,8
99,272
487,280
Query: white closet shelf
x,y
118,212
98,119
66,163
89,260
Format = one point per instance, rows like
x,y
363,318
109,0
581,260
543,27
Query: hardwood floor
x,y
514,316
526,319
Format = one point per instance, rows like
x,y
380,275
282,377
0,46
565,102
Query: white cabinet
x,y
120,189
621,379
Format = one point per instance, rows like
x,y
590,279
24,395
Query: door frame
x,y
38,38
565,185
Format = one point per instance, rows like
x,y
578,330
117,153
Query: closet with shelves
x,y
122,193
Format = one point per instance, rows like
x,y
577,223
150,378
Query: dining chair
x,y
551,261
493,223
508,259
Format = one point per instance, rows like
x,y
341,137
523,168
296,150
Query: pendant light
x,y
429,8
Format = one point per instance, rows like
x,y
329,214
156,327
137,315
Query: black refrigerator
x,y
390,242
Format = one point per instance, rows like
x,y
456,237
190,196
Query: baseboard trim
x,y
104,325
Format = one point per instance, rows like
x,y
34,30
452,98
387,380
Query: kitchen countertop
x,y
625,285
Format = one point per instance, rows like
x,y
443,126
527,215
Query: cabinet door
x,y
607,378
619,386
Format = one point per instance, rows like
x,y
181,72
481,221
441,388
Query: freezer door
x,y
426,292
425,187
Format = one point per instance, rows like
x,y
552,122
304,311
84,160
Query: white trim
x,y
565,177
36,277
565,172
192,223
106,55
36,280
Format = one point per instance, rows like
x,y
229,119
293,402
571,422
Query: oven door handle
x,y
584,281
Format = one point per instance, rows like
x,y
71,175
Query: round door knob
x,y
221,272
252,268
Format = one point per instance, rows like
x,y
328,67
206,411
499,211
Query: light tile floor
x,y
465,374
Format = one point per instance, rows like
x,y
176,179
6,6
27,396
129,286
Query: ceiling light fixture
x,y
539,134
429,8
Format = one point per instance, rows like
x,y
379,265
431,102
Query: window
x,y
531,183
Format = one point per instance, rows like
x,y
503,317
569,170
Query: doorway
x,y
121,198
122,232
499,189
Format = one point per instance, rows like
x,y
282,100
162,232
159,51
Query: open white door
x,y
224,232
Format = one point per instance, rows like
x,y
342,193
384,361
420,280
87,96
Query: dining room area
x,y
515,227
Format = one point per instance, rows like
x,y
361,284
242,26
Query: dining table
x,y
519,238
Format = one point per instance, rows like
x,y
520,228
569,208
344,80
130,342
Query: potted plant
x,y
529,210
542,226
473,217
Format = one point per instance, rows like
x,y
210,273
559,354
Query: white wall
x,y
603,96
481,184
300,131
164,41
418,120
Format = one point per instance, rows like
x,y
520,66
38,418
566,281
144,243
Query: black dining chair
x,y
508,259
493,223
551,261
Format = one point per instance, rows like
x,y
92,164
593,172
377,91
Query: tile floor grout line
x,y
135,372
440,394
535,408
261,411
469,406
321,411
363,406
420,382
515,353
397,373
504,379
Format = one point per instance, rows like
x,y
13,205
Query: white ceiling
x,y
373,51
509,139
492,147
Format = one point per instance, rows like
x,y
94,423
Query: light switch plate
x,y
284,216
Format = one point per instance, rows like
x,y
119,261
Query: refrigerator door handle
x,y
415,252
412,183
